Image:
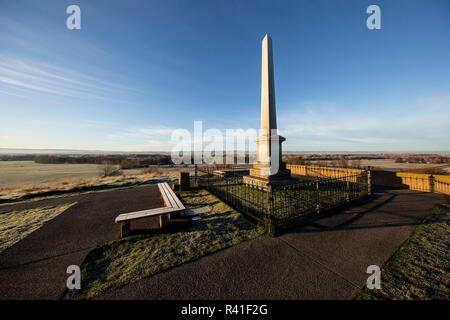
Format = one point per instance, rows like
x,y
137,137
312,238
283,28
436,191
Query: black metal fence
x,y
281,207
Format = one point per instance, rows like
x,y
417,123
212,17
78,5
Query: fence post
x,y
369,181
271,226
195,176
431,181
347,187
317,197
226,189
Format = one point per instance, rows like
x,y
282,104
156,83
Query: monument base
x,y
264,183
260,177
262,170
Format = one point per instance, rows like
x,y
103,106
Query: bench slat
x,y
145,214
175,198
176,203
173,204
169,196
163,193
168,200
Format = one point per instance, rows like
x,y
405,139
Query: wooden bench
x,y
172,205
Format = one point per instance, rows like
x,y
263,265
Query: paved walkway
x,y
326,259
35,267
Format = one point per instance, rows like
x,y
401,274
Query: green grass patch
x,y
16,225
124,261
420,268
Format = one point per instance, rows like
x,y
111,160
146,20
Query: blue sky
x,y
139,69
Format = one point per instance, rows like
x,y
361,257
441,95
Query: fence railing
x,y
317,171
284,206
413,181
425,182
440,184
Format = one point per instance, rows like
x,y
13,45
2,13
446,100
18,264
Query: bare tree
x,y
321,163
343,162
107,169
356,163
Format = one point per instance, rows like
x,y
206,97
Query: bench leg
x,y
162,221
125,229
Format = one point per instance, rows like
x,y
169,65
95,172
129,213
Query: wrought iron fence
x,y
281,207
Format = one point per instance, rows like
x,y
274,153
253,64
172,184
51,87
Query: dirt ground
x,y
164,171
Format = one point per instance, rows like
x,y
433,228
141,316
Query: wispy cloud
x,y
20,76
157,138
28,66
315,126
160,131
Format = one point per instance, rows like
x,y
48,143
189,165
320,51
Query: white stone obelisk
x,y
268,107
268,167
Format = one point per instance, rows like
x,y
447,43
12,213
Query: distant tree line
x,y
84,159
306,158
340,161
124,161
17,157
429,170
345,160
423,159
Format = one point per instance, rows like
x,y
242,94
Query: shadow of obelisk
x,y
269,169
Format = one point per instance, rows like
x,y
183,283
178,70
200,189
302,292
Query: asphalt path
x,y
35,267
325,259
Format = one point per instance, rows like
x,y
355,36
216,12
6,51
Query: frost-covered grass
x,y
420,268
16,225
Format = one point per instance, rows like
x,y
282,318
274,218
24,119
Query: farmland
x,y
20,180
24,173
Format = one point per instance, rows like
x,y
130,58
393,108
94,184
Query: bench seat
x,y
145,214
172,205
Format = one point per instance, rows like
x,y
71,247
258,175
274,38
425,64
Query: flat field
x,y
391,164
25,173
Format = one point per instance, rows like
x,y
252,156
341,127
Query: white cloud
x,y
421,127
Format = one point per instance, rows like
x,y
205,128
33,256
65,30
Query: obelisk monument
x,y
269,168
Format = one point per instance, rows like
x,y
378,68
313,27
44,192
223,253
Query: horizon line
x,y
99,151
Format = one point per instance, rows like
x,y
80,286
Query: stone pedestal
x,y
269,169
